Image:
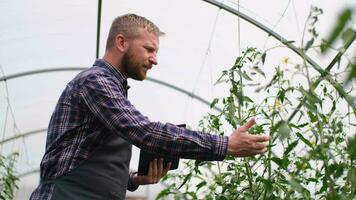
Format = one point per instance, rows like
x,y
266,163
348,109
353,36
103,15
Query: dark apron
x,y
103,176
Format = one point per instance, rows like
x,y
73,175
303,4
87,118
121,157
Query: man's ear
x,y
121,43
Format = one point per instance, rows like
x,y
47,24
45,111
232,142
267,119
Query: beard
x,y
132,66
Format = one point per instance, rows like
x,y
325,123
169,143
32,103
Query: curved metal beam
x,y
264,28
23,135
40,71
33,171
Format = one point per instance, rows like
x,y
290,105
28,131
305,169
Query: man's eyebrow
x,y
151,45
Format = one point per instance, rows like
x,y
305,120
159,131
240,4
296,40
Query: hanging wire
x,y
238,28
296,19
207,53
27,157
277,23
5,123
256,15
8,110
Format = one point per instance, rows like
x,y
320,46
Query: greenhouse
x,y
248,99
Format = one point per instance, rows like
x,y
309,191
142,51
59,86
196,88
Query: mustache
x,y
148,66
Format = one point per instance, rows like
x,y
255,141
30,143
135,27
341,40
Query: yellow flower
x,y
278,104
285,60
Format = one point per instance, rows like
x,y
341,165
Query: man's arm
x,y
107,102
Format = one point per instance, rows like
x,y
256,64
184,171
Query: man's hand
x,y
155,173
242,144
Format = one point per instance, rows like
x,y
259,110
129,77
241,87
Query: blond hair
x,y
128,25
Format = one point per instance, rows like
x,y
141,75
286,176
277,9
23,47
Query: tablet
x,y
146,157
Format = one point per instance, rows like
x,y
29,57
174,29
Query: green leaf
x,y
201,184
290,147
336,31
266,115
352,74
351,147
187,177
215,123
268,184
309,44
281,94
324,186
258,70
163,193
263,57
312,180
214,102
192,194
296,184
244,75
237,61
351,176
282,163
289,42
256,129
303,125
313,118
247,99
239,97
348,35
291,125
221,197
283,131
310,96
300,136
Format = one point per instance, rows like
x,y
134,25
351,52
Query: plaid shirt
x,y
96,101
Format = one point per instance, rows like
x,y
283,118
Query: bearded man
x,y
94,125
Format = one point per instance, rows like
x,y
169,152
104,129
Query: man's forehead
x,y
149,38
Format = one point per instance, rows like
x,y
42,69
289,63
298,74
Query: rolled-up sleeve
x,y
105,97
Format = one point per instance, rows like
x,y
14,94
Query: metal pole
x,y
98,29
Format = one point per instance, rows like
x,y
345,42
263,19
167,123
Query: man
x,y
93,126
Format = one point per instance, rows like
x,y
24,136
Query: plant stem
x,y
249,175
269,165
326,166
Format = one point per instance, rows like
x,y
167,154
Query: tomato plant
x,y
312,152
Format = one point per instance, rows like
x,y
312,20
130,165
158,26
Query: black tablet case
x,y
146,157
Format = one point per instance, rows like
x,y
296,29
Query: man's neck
x,y
113,61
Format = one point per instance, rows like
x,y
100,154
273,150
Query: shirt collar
x,y
121,77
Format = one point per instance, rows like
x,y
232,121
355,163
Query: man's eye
x,y
150,49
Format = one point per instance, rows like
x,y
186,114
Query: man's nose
x,y
153,59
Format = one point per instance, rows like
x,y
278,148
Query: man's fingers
x,y
150,169
166,169
261,138
253,152
154,172
160,168
261,151
258,146
247,125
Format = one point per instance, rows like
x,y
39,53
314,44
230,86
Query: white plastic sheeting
x,y
201,40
